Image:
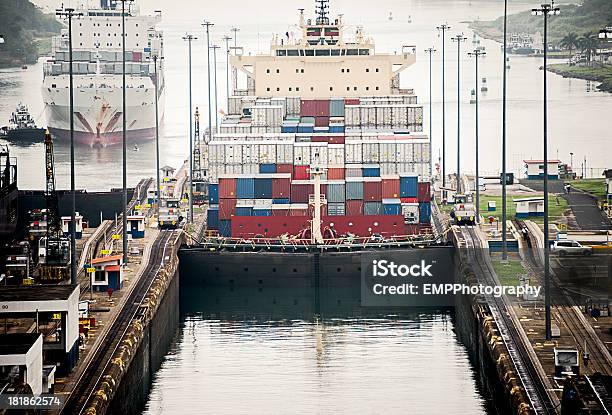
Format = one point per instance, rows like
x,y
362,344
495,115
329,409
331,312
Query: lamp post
x,y
214,49
443,28
430,52
546,10
208,25
459,38
155,58
572,161
190,38
235,31
503,175
69,13
227,71
477,54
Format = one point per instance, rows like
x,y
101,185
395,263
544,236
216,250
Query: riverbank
x,y
598,74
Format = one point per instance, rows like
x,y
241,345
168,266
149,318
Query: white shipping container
x,y
284,153
387,116
352,115
233,154
388,168
250,168
319,154
293,105
216,153
335,154
354,153
410,211
280,102
387,152
233,169
368,115
235,105
404,152
301,154
417,152
370,152
267,153
426,155
404,168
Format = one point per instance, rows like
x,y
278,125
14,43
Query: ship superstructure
x,y
323,130
97,73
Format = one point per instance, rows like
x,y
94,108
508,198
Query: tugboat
x,y
22,126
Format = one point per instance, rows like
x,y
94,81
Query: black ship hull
x,y
26,134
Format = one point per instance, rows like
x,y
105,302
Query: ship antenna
x,y
322,10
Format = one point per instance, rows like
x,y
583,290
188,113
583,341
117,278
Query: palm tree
x,y
588,44
569,42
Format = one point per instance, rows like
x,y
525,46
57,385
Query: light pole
x,y
190,38
235,31
546,10
572,161
430,52
477,54
155,58
443,28
208,25
124,122
459,38
69,13
503,175
216,107
227,71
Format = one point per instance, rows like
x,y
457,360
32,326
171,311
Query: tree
x,y
569,42
588,44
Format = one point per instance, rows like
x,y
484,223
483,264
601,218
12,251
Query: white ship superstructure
x,y
97,73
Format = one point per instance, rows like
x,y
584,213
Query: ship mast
x,y
322,10
317,200
197,166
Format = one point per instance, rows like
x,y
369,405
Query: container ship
x,y
97,72
322,149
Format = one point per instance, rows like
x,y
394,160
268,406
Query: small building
x,y
21,360
152,195
108,273
167,173
79,225
136,226
534,169
529,206
608,175
55,309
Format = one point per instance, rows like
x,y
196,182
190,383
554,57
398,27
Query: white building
x,y
534,169
21,359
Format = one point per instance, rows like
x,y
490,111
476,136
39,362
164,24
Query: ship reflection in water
x,y
249,350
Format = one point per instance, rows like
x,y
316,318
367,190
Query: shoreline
x,y
603,75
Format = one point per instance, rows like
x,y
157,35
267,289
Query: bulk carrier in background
x,y
97,68
322,149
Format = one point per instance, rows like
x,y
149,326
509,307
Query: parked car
x,y
565,247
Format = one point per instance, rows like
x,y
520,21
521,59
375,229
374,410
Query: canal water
x,y
243,351
576,109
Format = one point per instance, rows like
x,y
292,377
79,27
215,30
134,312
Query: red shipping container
x,y
372,191
281,212
137,56
227,188
336,140
301,172
354,207
308,108
300,192
321,121
227,208
321,108
351,101
335,173
390,188
284,168
424,192
319,139
409,200
281,188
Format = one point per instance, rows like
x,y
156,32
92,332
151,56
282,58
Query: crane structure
x,y
198,182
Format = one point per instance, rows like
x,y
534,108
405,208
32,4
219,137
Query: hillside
x,y
26,32
590,16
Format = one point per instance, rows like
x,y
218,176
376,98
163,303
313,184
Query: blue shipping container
x,y
213,218
336,128
409,186
305,128
225,228
263,188
281,201
213,193
392,209
354,190
245,188
289,129
371,172
336,107
267,168
262,212
424,212
372,208
244,211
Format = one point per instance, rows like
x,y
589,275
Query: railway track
x,y
89,379
518,348
570,314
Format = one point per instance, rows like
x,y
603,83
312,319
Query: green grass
x,y
599,74
596,187
508,273
556,207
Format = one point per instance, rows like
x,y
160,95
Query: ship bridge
x,y
322,63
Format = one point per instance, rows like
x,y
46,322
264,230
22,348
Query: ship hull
x,y
98,114
26,134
